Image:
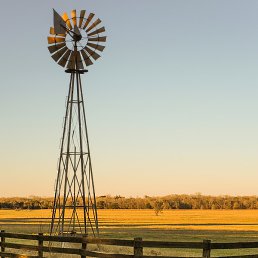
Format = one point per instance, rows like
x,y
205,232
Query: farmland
x,y
170,225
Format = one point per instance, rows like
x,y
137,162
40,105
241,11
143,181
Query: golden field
x,y
170,225
237,220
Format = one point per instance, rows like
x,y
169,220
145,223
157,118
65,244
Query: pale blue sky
x,y
172,105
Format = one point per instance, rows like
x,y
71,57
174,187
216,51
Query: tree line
x,y
175,201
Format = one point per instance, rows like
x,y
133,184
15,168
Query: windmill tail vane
x,y
74,45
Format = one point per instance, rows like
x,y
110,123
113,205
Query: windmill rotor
x,y
74,42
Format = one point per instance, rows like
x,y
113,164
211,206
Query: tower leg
x,y
74,208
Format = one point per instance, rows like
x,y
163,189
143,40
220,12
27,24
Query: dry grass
x,y
171,225
182,219
237,220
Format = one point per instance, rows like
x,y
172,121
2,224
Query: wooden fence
x,y
42,247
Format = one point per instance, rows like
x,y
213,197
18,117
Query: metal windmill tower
x,y
73,43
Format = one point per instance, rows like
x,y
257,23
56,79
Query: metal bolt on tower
x,y
73,43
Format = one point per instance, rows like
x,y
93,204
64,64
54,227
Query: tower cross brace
x,y
74,209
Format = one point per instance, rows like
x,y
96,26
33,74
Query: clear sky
x,y
172,105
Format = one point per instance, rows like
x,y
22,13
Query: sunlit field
x,y
123,223
170,225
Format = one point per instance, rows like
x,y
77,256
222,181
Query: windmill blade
x,y
59,53
98,39
93,25
92,53
102,29
79,64
73,16
63,60
53,32
59,24
52,40
98,47
86,58
91,15
55,48
82,13
71,61
67,21
76,30
61,35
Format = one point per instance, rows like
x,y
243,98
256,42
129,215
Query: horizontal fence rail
x,y
137,245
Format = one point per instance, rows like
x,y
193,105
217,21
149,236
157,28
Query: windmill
x,y
74,44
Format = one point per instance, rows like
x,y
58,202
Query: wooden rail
x,y
137,246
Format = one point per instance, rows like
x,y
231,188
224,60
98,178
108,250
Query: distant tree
x,y
158,207
236,206
114,205
173,201
166,205
101,204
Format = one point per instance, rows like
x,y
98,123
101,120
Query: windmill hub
x,y
77,37
81,41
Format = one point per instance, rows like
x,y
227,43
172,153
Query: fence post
x,y
40,245
137,247
206,252
84,244
2,242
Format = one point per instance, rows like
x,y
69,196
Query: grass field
x,y
170,225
